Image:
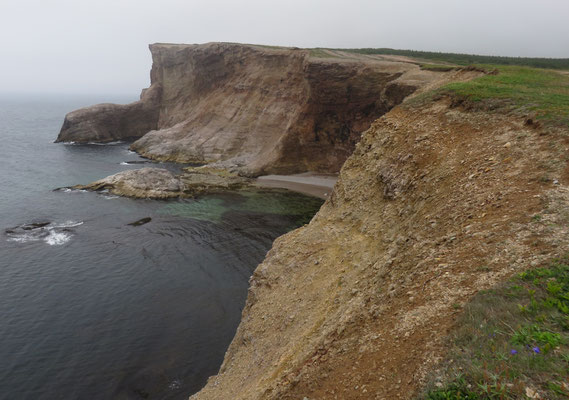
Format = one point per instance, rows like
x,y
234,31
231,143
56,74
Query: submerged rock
x,y
27,227
49,232
141,221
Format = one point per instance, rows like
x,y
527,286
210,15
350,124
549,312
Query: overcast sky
x,y
101,46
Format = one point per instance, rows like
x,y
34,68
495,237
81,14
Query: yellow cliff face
x,y
356,304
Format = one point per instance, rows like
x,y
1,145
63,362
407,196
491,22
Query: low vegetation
x,y
538,92
468,59
542,95
512,342
321,53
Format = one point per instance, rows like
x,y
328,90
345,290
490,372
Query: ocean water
x,y
94,308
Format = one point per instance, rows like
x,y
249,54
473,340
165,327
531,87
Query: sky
x,y
101,46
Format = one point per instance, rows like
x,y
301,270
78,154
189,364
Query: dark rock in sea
x,y
27,227
34,225
141,221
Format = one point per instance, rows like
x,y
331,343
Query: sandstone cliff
x,y
356,304
250,108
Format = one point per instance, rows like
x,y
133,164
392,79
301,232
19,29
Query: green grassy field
x,y
538,92
468,59
512,342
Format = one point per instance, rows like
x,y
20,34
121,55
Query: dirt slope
x,y
435,204
250,108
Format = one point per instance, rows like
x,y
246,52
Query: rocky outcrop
x,y
110,122
434,205
252,109
158,183
152,183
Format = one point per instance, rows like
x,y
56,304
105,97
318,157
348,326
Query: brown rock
x,y
155,183
253,109
110,122
158,183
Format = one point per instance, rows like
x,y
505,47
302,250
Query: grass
x,y
540,92
321,53
513,341
468,59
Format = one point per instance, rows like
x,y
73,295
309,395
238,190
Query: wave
x,y
69,190
114,143
52,234
57,238
69,224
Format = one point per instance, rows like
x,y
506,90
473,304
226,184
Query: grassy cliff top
x,y
537,92
468,59
541,95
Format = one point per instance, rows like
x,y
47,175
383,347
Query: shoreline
x,y
310,183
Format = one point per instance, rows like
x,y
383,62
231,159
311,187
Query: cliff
x,y
436,203
445,195
253,109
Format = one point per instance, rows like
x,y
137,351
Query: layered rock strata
x,y
253,109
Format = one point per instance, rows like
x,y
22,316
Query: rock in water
x,y
158,183
109,122
153,183
141,221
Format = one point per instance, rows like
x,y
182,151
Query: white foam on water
x,y
111,197
106,143
68,224
124,163
175,385
23,238
57,238
51,235
71,190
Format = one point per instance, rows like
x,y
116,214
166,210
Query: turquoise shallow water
x,y
95,308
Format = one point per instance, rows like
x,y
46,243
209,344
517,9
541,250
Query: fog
x,y
101,47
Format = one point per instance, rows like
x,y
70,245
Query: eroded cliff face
x,y
356,304
252,109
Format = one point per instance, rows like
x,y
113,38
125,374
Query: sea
x,y
95,307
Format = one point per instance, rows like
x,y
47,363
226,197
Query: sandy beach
x,y
311,183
